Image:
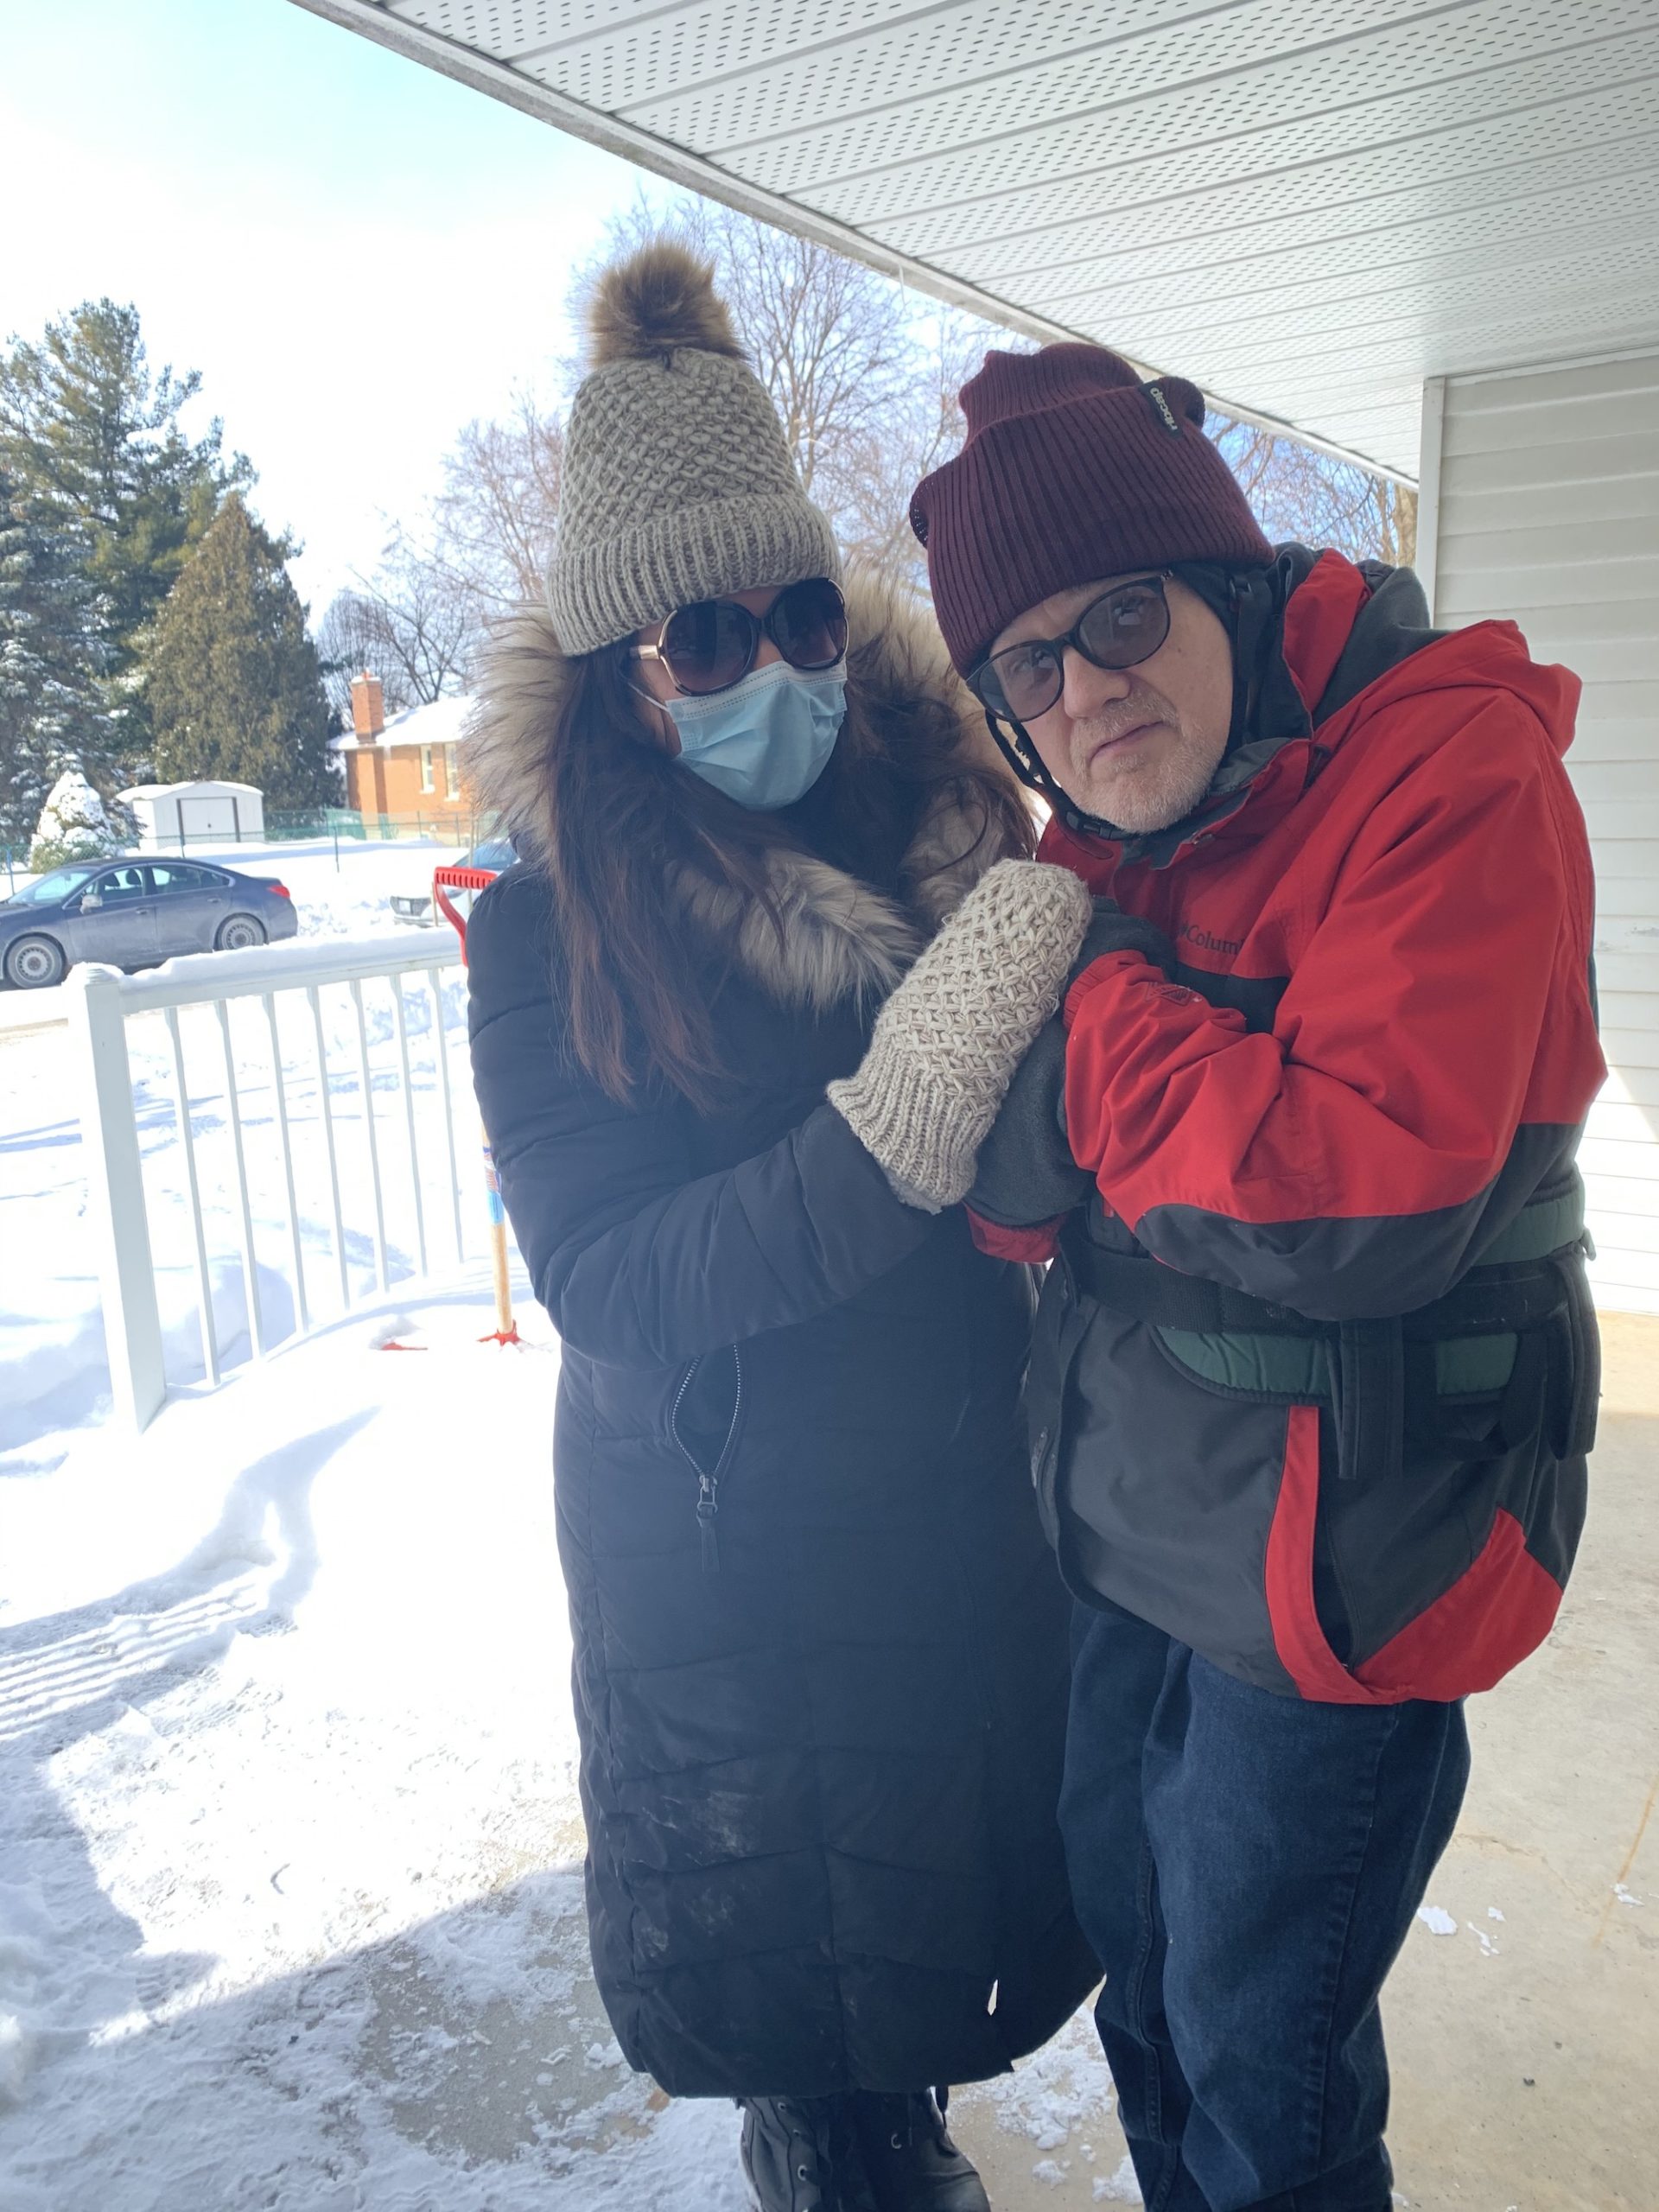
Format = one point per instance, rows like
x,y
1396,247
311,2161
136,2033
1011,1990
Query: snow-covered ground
x,y
347,897
291,1909
288,1892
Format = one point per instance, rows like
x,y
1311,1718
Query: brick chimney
x,y
368,707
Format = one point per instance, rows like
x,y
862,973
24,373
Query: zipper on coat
x,y
707,1508
708,1479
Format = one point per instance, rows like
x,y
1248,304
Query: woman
x,y
820,1648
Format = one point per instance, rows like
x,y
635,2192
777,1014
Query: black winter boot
x,y
800,2155
913,2163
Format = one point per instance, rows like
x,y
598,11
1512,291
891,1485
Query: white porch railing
x,y
291,1131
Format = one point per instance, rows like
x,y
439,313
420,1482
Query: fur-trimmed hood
x,y
835,937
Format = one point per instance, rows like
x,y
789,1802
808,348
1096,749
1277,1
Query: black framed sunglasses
x,y
712,646
1125,626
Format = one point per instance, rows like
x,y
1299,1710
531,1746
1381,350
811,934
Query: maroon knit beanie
x,y
1073,469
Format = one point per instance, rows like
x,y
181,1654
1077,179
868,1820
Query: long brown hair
x,y
619,820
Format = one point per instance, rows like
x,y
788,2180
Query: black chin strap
x,y
1014,742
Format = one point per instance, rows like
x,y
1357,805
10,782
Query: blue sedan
x,y
133,914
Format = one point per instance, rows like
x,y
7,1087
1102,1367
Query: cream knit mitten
x,y
946,1044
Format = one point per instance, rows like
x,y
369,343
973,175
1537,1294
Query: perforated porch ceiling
x,y
1307,207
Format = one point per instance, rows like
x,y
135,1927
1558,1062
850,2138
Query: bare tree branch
x,y
1298,493
495,520
411,624
351,641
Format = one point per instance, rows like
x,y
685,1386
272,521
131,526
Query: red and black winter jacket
x,y
1316,1367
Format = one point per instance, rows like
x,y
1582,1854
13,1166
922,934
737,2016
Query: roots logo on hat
x,y
1074,467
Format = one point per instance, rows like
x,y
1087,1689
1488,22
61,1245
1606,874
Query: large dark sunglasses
x,y
1122,628
712,646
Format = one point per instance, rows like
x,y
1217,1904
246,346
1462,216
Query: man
x,y
1315,1371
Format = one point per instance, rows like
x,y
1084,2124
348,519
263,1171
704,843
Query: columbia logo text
x,y
1189,933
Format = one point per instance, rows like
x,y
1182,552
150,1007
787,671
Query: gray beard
x,y
1149,799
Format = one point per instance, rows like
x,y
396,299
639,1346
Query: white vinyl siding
x,y
1543,505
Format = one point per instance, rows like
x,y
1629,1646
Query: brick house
x,y
405,767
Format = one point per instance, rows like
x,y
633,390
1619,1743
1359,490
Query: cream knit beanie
x,y
678,484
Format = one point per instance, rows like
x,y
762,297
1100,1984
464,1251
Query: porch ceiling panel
x,y
1308,210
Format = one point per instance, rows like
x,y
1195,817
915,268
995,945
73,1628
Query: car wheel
x,y
238,933
34,962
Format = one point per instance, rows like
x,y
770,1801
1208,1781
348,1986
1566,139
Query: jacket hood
x,y
1494,655
1353,629
840,939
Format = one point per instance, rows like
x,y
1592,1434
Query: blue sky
x,y
356,253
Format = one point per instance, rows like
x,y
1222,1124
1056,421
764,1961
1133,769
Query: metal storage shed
x,y
1326,216
172,815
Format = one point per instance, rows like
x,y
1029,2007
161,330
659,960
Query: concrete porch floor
x,y
1525,2047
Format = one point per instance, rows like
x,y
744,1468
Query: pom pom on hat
x,y
659,300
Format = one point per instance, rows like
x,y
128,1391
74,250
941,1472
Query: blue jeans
x,y
1247,1867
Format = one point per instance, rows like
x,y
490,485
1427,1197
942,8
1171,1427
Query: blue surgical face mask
x,y
766,742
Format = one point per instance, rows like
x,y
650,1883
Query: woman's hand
x,y
946,1044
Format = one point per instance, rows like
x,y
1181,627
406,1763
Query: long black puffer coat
x,y
820,1644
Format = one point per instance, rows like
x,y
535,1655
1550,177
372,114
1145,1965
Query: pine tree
x,y
93,444
51,708
234,682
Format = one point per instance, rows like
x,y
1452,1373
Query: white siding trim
x,y
1539,503
1428,488
1572,369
